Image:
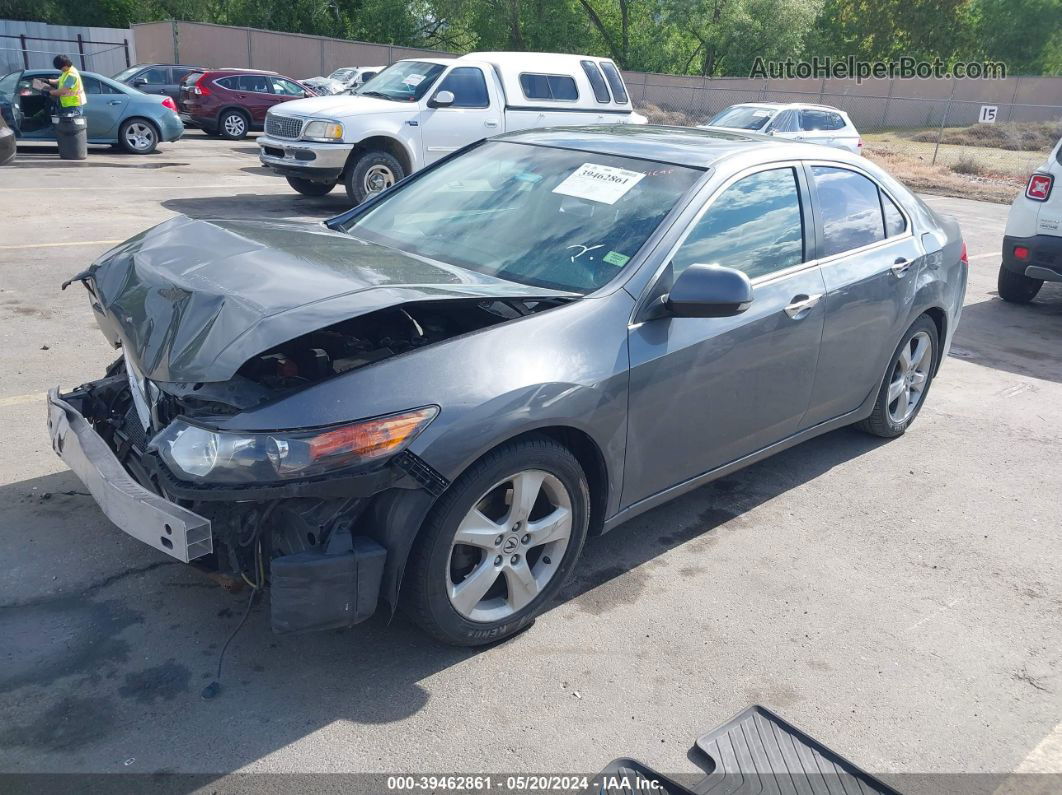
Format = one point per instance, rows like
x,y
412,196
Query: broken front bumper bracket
x,y
142,514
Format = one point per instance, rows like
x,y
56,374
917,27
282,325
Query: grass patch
x,y
1029,136
675,118
967,165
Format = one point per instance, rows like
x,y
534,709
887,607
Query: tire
x,y
308,187
1017,288
373,172
497,605
138,136
233,125
893,410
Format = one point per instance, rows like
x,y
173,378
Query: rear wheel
x,y
374,172
499,544
308,187
906,382
138,136
1017,288
232,125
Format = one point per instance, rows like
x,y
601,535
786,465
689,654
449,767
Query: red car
x,y
231,102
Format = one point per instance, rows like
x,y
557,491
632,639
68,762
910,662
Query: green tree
x,y
1024,34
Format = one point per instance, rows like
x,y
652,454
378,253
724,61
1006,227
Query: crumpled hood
x,y
339,106
192,301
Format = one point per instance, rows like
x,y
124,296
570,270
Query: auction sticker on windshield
x,y
413,80
605,184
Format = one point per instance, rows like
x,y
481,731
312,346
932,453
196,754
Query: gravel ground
x,y
900,601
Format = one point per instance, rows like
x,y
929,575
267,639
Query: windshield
x,y
547,217
406,81
743,117
126,73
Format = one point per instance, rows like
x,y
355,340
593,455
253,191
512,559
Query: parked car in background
x,y
156,78
232,102
816,124
115,113
419,110
434,398
1032,240
7,142
346,79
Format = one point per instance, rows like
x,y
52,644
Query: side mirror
x,y
140,81
443,99
709,291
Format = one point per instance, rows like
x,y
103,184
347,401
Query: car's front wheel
x,y
373,172
307,187
499,544
138,136
1017,288
906,382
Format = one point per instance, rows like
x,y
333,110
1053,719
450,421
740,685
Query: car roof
x,y
686,146
235,70
781,105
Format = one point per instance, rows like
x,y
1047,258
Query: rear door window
x,y
756,226
94,86
813,120
231,83
258,84
155,76
834,121
895,223
468,86
597,82
560,88
286,88
615,82
850,209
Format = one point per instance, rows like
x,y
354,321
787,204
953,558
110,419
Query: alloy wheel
x,y
509,546
235,125
378,178
910,373
140,136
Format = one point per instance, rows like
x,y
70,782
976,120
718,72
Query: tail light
x,y
201,88
965,260
1021,252
1039,187
169,103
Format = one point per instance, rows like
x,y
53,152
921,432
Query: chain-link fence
x,y
991,145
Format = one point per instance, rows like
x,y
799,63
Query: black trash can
x,y
72,134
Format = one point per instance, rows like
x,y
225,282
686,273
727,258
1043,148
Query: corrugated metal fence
x,y
32,45
292,54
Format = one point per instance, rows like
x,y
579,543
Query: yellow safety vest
x,y
71,91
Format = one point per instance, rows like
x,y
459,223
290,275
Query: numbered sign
x,y
988,114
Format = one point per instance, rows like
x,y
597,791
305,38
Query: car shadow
x,y
93,655
1016,338
251,206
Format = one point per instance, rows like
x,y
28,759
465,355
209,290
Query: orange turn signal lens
x,y
372,438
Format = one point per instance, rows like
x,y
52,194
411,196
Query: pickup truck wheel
x,y
907,379
1017,288
372,173
308,187
499,544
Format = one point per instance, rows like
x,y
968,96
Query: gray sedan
x,y
432,400
115,113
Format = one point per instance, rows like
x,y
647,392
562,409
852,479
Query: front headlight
x,y
204,455
323,131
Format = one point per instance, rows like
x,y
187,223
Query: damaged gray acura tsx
x,y
432,400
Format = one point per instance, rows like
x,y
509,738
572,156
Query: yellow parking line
x,y
18,400
54,245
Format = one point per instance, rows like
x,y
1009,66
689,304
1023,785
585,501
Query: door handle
x,y
490,124
800,304
900,266
115,102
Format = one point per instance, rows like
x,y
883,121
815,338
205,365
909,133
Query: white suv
x,y
1032,242
816,124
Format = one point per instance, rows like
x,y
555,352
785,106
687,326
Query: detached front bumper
x,y
142,514
318,162
1044,260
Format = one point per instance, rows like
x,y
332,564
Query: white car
x,y
419,110
816,124
1032,241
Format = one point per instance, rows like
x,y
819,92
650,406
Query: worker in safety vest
x,y
68,87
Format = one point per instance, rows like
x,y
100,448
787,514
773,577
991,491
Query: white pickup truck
x,y
419,110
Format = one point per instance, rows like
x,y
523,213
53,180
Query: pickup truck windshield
x,y
407,81
555,218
